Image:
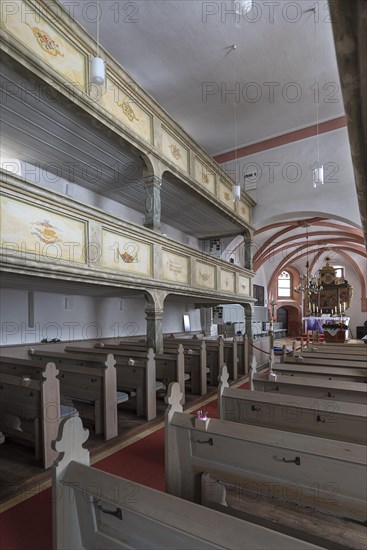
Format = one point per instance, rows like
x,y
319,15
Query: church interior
x,y
183,250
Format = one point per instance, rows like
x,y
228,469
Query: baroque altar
x,y
332,295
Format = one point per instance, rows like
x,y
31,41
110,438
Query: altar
x,y
316,323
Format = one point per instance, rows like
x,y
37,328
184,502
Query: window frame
x,y
290,295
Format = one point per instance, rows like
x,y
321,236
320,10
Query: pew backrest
x,y
244,454
317,371
351,392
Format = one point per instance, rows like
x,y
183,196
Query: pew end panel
x,y
30,410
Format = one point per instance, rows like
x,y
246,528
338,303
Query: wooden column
x,y
153,202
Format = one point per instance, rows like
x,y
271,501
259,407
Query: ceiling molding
x,y
284,139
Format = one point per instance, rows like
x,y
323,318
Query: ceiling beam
x,y
349,23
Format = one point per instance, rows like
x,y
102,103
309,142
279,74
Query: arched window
x,y
285,285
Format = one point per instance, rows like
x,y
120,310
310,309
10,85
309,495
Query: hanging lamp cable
x,y
98,14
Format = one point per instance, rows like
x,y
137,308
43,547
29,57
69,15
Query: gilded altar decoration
x,y
175,151
329,293
128,111
49,45
46,232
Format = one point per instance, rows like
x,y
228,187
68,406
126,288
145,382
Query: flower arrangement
x,y
334,331
331,325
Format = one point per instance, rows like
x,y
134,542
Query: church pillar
x,y
248,330
154,316
247,241
153,202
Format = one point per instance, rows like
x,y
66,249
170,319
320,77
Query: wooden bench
x,y
242,454
350,392
318,417
194,360
30,409
170,367
218,352
137,377
81,384
356,348
320,360
125,514
242,354
195,363
317,371
362,358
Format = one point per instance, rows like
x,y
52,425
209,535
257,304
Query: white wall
x,y
284,180
87,317
173,317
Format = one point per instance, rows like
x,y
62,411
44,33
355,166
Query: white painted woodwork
x,y
328,372
170,367
92,382
36,401
146,518
356,348
350,392
321,360
319,417
129,377
327,475
356,357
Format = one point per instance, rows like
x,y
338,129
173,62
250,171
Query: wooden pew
x,y
195,363
126,514
242,355
360,357
316,371
79,383
218,352
30,409
170,367
243,454
138,377
318,417
353,349
320,360
350,392
194,360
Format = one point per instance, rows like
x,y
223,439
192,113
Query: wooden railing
x,y
44,232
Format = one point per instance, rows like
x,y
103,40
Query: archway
x,y
293,317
